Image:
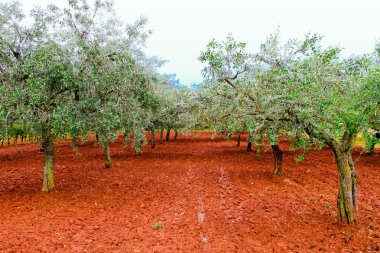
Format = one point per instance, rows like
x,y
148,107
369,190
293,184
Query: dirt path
x,y
190,195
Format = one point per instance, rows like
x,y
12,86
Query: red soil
x,y
209,195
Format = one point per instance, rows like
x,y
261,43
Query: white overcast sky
x,y
182,28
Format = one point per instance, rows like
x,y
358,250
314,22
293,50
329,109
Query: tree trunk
x,y
277,171
153,141
48,177
354,175
107,153
175,134
168,134
249,146
348,188
161,135
239,139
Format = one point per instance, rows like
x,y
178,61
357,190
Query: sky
x,y
182,28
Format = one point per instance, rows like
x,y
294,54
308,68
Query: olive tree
x,y
329,99
324,98
115,75
38,76
72,70
240,90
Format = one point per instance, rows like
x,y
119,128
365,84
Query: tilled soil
x,y
195,194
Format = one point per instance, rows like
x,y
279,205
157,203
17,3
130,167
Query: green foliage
x,y
78,69
297,89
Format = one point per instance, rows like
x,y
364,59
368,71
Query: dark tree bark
x,y
153,141
239,139
249,146
175,134
168,135
277,171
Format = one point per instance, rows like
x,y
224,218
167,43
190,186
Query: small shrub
x,y
158,225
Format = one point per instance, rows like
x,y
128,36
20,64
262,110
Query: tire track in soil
x,y
230,202
190,218
180,209
204,178
211,201
232,208
216,207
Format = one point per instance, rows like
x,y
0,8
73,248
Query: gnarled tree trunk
x,y
277,153
168,134
107,154
175,134
239,139
48,173
348,188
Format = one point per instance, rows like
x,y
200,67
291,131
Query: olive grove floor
x,y
195,194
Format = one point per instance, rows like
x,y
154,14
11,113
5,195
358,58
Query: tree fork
x,y
347,194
